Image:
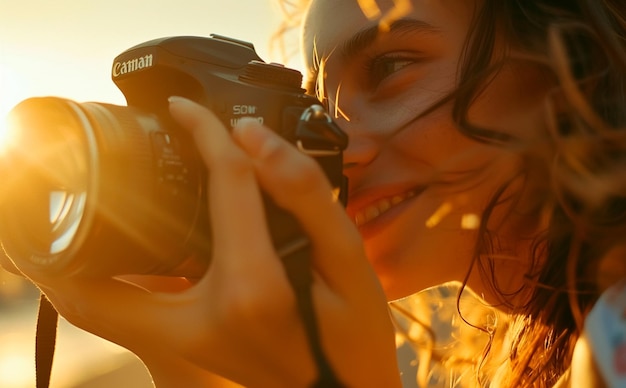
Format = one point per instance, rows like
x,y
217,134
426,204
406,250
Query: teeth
x,y
381,206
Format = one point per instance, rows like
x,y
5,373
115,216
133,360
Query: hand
x,y
240,320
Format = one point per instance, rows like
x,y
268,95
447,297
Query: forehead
x,y
329,23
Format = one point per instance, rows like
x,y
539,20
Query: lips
x,y
373,209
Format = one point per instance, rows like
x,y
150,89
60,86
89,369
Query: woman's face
x,y
418,187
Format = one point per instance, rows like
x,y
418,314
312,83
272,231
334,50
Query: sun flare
x,y
9,97
4,129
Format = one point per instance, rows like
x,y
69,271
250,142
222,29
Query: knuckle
x,y
255,304
234,163
297,177
302,174
248,304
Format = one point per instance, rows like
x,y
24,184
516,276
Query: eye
x,y
381,67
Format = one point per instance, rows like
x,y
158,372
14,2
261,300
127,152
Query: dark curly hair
x,y
577,166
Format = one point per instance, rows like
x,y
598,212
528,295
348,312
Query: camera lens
x,y
49,158
100,189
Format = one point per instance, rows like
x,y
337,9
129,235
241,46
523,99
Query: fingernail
x,y
247,127
256,140
245,122
177,99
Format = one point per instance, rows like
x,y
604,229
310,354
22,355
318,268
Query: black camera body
x,y
95,188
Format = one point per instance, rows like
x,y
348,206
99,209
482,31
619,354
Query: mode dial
x,y
272,74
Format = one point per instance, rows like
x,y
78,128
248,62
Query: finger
x,y
117,311
141,321
297,183
7,264
235,202
157,283
241,240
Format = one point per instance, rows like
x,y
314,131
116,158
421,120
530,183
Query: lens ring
x,y
52,183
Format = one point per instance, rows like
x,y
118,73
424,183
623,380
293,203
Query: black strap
x,y
297,262
45,341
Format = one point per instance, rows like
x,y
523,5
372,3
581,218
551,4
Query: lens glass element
x,y
48,169
66,211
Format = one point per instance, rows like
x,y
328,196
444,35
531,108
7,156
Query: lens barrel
x,y
99,188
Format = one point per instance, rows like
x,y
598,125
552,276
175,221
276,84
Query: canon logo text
x,y
121,68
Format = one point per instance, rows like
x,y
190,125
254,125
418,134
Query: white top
x,y
447,344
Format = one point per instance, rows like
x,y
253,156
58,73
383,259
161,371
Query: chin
x,y
398,279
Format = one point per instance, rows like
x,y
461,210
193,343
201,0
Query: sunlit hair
x,y
575,169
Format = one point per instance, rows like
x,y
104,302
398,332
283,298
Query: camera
x,y
101,189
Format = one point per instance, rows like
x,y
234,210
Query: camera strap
x,y
297,263
45,341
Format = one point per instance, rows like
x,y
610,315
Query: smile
x,y
375,210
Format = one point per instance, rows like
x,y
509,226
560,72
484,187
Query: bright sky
x,y
65,48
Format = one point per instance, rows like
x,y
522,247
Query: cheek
x,y
463,176
438,143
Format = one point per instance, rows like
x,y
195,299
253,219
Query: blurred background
x,y
65,48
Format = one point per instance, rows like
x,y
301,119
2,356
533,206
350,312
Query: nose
x,y
363,145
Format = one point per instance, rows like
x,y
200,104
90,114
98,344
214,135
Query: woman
x,y
523,83
485,150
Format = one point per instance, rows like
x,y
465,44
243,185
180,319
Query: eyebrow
x,y
366,37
